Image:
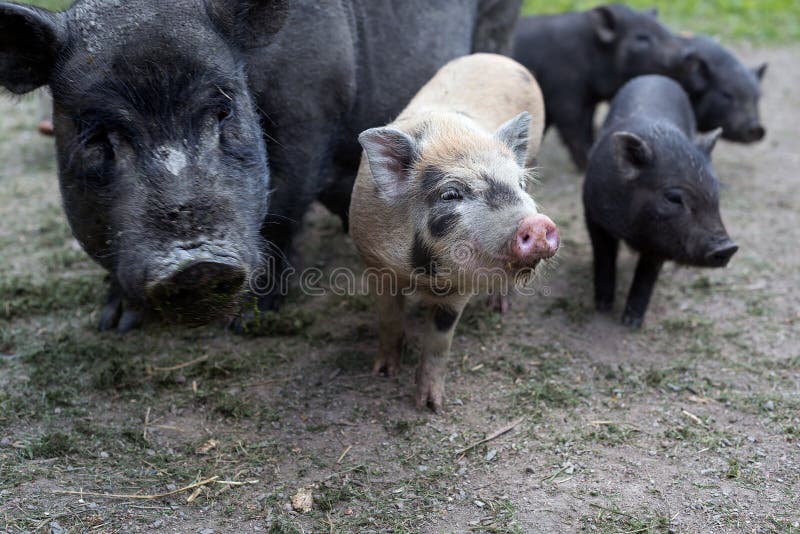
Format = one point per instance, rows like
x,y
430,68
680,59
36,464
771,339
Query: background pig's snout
x,y
536,239
756,132
720,255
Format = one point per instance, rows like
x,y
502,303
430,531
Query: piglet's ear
x,y
605,24
250,23
696,74
760,71
653,12
514,134
390,154
30,39
631,153
707,141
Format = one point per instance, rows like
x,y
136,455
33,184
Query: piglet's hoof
x,y
46,127
499,303
604,306
633,321
386,365
430,391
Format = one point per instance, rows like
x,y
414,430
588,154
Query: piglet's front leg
x,y
391,331
440,324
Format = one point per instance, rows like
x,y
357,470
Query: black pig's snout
x,y
721,254
756,133
198,288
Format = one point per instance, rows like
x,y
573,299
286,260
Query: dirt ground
x,y
690,425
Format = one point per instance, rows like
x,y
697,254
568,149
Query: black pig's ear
x,y
30,39
707,141
696,72
632,154
653,12
605,24
514,134
760,71
390,154
250,23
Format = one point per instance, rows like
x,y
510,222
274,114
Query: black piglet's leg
x,y
641,290
605,248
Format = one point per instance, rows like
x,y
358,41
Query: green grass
x,y
754,20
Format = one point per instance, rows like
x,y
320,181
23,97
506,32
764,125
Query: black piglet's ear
x,y
696,72
631,153
604,22
30,40
250,23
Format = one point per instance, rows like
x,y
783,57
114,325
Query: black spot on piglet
x,y
422,258
499,195
444,317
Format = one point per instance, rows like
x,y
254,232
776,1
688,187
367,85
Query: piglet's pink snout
x,y
537,238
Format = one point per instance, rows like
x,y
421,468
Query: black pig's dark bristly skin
x,y
724,93
650,183
581,59
192,135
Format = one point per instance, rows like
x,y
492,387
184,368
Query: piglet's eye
x,y
674,197
523,183
451,194
643,38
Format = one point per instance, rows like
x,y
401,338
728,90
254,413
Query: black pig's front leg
x,y
575,123
605,248
441,321
641,290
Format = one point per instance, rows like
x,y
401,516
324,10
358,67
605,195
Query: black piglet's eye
x,y
674,197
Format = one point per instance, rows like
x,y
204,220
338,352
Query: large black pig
x,y
165,113
650,183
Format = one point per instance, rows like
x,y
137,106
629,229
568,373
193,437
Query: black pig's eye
x,y
224,113
451,194
674,197
643,38
100,144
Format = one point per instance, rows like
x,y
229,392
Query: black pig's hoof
x,y
632,320
115,316
604,306
130,320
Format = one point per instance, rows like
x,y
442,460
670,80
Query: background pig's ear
x,y
390,154
514,134
696,73
706,142
250,23
632,154
605,24
30,39
760,71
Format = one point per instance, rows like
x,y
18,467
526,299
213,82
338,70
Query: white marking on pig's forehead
x,y
173,159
